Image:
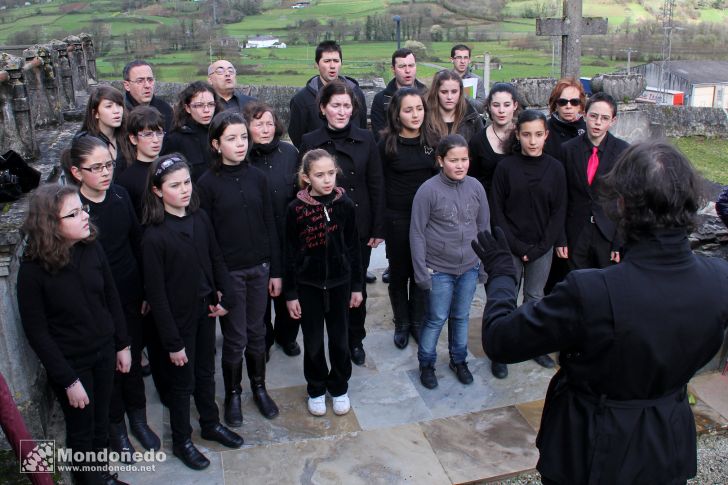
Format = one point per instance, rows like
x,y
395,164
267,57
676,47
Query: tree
x,y
417,47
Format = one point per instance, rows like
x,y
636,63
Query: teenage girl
x,y
87,163
491,144
408,159
450,110
195,108
187,286
323,278
105,120
529,204
72,317
236,197
447,213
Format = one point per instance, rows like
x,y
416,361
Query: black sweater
x,y
120,235
483,160
175,267
70,313
529,203
322,245
404,172
191,142
238,201
560,132
134,180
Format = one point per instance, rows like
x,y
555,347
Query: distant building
x,y
300,4
704,83
264,42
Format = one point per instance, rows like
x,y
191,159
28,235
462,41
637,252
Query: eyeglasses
x,y
596,116
77,212
573,102
224,70
141,80
202,106
98,168
151,134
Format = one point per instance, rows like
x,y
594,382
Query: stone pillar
x,y
90,53
17,133
534,92
42,108
486,72
64,73
78,62
51,82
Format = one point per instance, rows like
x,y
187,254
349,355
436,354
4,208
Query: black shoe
x,y
427,376
461,370
545,361
119,442
385,275
256,372
401,336
222,435
232,374
141,430
190,456
358,356
109,479
499,371
371,277
291,349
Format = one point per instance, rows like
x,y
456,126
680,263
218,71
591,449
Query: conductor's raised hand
x,y
494,253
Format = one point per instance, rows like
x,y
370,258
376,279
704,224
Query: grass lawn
x,y
709,155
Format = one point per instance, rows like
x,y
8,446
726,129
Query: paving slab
x,y
713,390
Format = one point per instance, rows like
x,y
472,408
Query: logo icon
x,y
38,456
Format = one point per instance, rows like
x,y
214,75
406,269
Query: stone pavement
x,y
397,431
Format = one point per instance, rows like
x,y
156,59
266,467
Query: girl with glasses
x,y
72,317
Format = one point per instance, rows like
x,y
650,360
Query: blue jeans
x,y
449,299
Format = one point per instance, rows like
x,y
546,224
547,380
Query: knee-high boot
x,y
232,374
417,304
401,314
256,373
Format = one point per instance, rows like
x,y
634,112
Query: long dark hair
x,y
81,148
217,126
394,126
435,121
41,227
337,86
140,118
181,116
91,125
161,168
525,116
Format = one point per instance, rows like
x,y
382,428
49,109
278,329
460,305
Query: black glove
x,y
494,253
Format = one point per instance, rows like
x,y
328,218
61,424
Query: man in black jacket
x,y
631,336
404,68
139,86
221,75
305,113
590,234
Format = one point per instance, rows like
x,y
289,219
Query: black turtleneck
x,y
406,171
529,203
560,132
238,201
134,180
191,141
338,133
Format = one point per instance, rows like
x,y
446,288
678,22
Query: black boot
x,y
141,430
232,374
256,373
418,303
400,309
119,442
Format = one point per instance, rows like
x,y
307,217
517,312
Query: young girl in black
x,y
72,317
323,278
408,160
105,120
187,286
236,197
88,164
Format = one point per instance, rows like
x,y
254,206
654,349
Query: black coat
x,y
380,104
361,174
560,132
191,142
583,199
161,105
631,336
305,112
472,123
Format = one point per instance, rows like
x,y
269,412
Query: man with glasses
x,y
139,87
221,76
460,58
305,114
404,68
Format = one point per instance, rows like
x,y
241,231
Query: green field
x,y
709,155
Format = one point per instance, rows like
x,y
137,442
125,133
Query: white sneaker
x,y
341,404
317,405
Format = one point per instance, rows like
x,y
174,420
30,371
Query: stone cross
x,y
571,27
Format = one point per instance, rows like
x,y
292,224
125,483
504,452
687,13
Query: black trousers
x,y
158,358
87,428
283,329
357,316
406,298
128,391
196,377
332,307
592,249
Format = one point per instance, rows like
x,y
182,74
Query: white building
x,y
264,42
